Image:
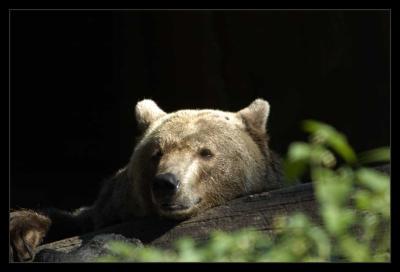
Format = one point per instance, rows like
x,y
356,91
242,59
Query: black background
x,y
77,75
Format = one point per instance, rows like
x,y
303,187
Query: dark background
x,y
77,75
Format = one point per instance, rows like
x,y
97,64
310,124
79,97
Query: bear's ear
x,y
147,112
256,114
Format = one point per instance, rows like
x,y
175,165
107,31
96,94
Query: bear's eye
x,y
206,153
157,154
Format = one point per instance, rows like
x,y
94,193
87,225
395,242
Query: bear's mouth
x,y
171,207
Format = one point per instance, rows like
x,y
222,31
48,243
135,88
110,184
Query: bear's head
x,y
190,160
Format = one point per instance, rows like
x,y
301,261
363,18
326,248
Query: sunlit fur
x,y
239,165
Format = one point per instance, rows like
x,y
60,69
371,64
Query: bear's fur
x,y
185,162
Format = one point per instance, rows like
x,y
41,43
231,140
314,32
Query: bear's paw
x,y
27,230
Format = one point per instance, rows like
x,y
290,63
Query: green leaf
x,y
353,250
322,242
322,156
331,188
187,250
337,220
381,154
121,249
363,199
373,180
332,137
299,151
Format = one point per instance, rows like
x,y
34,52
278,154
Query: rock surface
x,y
87,252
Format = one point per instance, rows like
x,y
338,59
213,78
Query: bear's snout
x,y
165,185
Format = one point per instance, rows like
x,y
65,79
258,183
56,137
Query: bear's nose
x,y
166,183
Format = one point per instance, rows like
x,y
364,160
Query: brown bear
x,y
184,162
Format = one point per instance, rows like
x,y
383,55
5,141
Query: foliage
x,y
354,204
